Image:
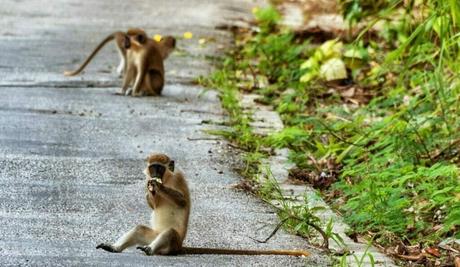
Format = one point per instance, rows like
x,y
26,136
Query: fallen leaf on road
x,y
157,37
188,35
412,257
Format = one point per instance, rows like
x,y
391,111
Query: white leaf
x,y
333,69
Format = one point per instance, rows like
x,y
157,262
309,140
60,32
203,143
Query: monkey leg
x,y
122,66
129,75
167,242
141,72
155,82
139,235
152,84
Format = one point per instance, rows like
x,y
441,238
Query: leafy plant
x,y
391,134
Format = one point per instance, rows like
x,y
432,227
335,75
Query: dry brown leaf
x,y
349,92
412,257
433,251
415,249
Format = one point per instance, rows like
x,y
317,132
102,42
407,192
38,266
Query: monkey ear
x,y
171,165
173,42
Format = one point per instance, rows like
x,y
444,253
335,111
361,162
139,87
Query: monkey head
x,y
167,45
158,164
136,35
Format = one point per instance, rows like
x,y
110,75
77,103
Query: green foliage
x,y
267,18
263,52
298,217
357,261
355,10
399,150
326,62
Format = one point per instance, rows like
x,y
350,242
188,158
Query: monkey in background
x,y
145,68
168,195
141,63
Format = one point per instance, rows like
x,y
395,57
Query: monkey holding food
x,y
168,195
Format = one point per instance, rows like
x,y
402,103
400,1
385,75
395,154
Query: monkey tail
x,y
222,251
95,51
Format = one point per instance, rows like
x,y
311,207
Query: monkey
x,y
145,68
122,43
145,62
168,195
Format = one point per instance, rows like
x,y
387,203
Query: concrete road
x,y
72,152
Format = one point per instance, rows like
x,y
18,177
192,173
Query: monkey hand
x,y
153,184
147,250
107,247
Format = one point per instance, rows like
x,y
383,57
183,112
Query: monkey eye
x,y
140,38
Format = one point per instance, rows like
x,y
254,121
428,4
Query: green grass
x,y
397,150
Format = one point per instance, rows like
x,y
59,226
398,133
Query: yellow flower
x,y
202,41
157,37
188,35
255,10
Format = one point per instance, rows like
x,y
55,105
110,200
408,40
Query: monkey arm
x,y
139,78
171,194
149,198
127,79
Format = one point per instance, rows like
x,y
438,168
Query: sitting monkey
x,y
168,195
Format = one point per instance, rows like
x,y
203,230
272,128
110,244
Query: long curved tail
x,y
95,51
223,251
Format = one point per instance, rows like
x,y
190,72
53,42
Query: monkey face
x,y
156,170
157,165
138,39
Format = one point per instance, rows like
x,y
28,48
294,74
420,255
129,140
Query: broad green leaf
x,y
333,69
311,63
331,49
308,76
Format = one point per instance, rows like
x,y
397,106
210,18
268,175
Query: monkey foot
x,y
106,247
128,92
147,250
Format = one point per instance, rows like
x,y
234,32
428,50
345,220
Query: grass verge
x,y
373,123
